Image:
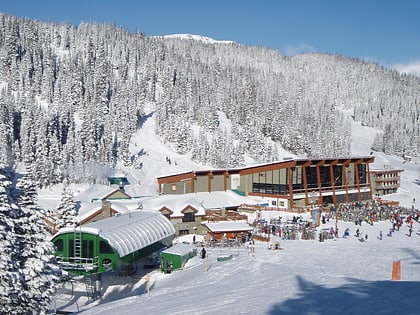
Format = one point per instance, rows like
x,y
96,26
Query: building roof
x,y
129,232
383,171
102,192
121,206
201,201
228,226
180,249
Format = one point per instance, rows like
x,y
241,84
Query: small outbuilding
x,y
228,229
176,257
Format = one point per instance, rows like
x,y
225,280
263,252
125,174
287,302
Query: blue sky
x,y
384,31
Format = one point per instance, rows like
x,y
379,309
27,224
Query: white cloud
x,y
409,68
291,50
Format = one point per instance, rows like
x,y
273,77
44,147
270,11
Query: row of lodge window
x,y
87,247
276,182
188,216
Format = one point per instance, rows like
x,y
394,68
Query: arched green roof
x,y
129,232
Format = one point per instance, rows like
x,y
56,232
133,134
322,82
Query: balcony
x,y
78,263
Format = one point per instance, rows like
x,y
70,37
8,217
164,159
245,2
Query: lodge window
x,y
325,176
71,248
105,248
311,177
338,175
362,173
297,175
184,232
270,188
188,217
59,245
324,172
86,249
167,215
173,187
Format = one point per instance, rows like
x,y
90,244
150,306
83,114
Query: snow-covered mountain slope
x,y
362,140
159,159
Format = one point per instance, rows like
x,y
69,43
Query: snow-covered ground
x,y
341,276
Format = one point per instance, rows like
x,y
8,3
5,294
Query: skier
x,y
346,233
169,266
203,253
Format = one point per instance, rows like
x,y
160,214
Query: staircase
x,y
77,244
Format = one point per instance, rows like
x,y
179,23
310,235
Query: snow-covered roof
x,y
88,208
223,199
129,232
201,201
96,192
118,173
121,206
227,226
180,249
175,203
385,170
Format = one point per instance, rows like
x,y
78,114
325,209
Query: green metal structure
x,y
176,257
112,243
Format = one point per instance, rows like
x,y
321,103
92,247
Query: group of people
x,y
370,212
398,221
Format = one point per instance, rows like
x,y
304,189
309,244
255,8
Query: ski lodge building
x,y
286,184
386,181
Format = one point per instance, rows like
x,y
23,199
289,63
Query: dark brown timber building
x,y
286,184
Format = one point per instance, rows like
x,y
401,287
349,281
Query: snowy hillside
x,y
362,139
153,155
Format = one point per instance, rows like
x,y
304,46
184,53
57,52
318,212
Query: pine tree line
x,y
71,98
29,273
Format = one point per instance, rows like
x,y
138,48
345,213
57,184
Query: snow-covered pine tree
x,y
66,210
38,270
28,272
9,277
26,193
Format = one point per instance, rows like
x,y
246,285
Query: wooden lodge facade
x,y
285,184
385,181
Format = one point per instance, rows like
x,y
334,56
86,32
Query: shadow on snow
x,y
356,297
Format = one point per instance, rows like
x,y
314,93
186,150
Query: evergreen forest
x,y
71,97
